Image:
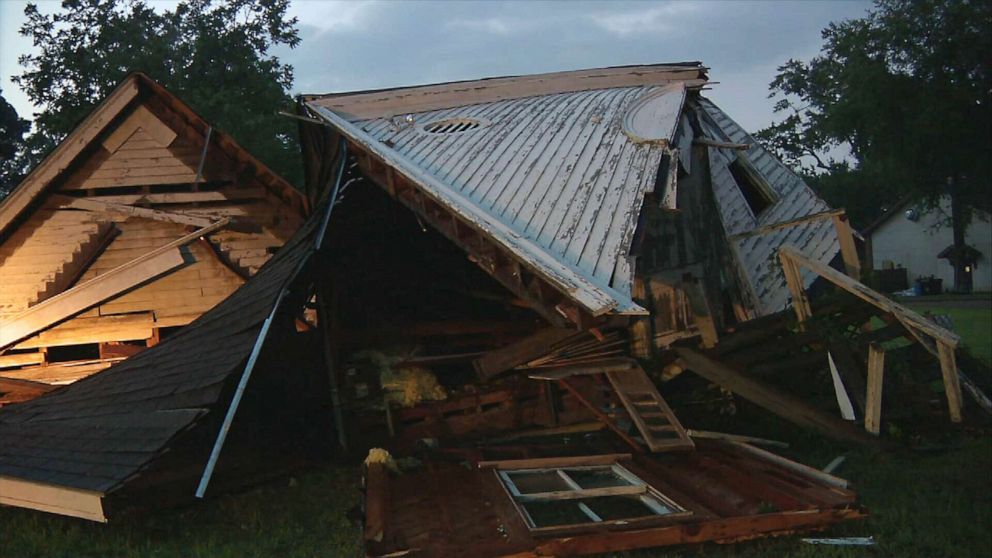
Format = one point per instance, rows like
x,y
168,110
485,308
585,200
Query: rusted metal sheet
x,y
755,251
554,177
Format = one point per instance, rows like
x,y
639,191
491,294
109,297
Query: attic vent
x,y
452,125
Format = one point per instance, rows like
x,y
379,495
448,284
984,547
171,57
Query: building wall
x,y
914,245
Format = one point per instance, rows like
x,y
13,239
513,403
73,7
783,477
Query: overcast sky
x,y
352,45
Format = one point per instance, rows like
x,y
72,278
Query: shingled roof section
x,y
98,433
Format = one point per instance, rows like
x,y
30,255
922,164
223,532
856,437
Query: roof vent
x,y
453,125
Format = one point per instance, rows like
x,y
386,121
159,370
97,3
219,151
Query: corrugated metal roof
x,y
553,177
757,253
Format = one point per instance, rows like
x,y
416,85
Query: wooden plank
x,y
849,370
583,493
61,373
91,204
506,358
15,390
98,290
794,280
721,530
86,504
829,214
783,405
594,367
868,295
873,397
21,359
849,252
952,387
554,462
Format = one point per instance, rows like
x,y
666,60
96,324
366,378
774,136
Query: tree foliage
x,y
12,130
216,56
908,91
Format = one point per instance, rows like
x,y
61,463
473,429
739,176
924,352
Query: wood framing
x,y
876,371
924,330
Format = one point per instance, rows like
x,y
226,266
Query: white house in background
x,y
913,237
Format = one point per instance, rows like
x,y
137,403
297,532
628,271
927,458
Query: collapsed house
x,y
501,271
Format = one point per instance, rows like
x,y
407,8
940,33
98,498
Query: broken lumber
x,y
376,501
771,399
506,358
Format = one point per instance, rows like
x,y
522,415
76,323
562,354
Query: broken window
x,y
558,497
758,194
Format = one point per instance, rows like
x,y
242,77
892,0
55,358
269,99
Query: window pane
x,y
596,478
542,481
620,507
556,513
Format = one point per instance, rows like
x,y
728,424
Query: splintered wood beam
x,y
500,264
506,358
794,280
784,405
90,204
873,397
849,252
99,289
14,390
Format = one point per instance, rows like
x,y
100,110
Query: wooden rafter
x,y
178,217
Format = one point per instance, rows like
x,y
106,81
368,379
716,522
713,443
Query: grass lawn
x,y
974,325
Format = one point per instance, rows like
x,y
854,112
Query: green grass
x,y
974,325
305,517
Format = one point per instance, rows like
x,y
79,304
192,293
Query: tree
x,y
12,130
216,56
908,91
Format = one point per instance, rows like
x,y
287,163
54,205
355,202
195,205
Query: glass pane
x,y
622,507
596,478
556,513
542,481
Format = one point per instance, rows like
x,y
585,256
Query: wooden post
x,y
794,279
848,251
873,398
949,369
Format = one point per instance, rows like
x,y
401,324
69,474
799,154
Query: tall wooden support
x,y
949,370
873,398
794,279
852,264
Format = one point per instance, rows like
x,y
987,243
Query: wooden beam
x,y
788,224
873,397
783,405
849,252
90,204
99,289
506,358
21,359
722,530
14,390
794,280
709,142
558,462
86,504
869,295
952,387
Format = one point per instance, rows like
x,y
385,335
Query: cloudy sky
x,y
363,44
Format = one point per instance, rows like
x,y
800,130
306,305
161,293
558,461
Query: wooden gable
x,y
145,179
